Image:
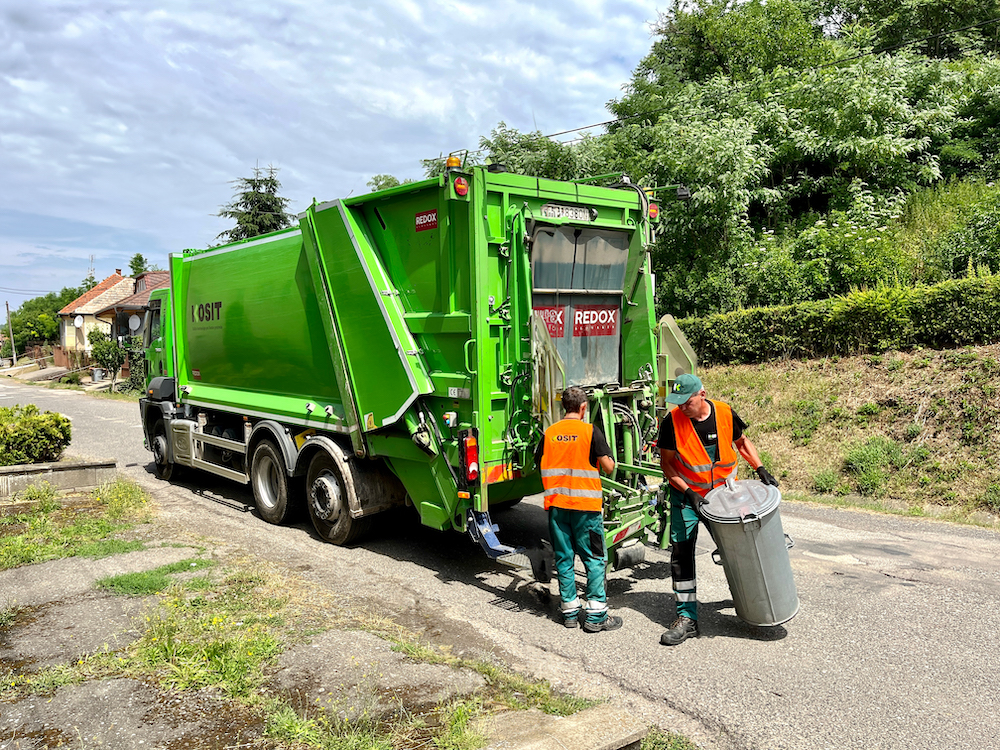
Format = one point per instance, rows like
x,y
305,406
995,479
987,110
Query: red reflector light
x,y
654,211
461,186
471,458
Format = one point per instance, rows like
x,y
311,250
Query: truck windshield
x,y
577,277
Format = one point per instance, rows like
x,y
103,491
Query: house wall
x,y
75,339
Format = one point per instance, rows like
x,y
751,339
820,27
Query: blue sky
x,y
123,123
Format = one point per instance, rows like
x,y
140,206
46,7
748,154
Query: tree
x,y
37,319
256,206
383,182
106,352
138,264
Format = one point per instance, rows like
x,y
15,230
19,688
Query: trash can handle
x,y
789,542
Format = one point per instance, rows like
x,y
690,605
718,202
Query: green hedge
x,y
29,436
954,313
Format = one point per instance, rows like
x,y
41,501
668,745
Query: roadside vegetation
x,y
221,628
29,436
914,432
40,525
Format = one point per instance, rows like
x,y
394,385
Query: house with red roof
x,y
118,314
80,315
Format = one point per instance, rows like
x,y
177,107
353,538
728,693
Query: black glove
x,y
765,477
694,499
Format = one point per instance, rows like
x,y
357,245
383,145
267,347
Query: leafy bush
x,y
29,436
954,313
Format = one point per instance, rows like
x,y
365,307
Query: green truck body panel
x,y
401,321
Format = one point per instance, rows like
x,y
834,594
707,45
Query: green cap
x,y
683,388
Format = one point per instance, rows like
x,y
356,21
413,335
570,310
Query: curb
x,y
66,475
601,727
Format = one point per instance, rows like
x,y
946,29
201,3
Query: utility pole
x,y
10,329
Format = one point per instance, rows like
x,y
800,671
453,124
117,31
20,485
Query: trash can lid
x,y
737,500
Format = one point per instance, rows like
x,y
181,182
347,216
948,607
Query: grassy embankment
x,y
914,432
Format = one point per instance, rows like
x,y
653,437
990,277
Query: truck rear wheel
x,y
270,483
164,468
328,505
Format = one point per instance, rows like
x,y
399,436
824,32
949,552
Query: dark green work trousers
x,y
579,532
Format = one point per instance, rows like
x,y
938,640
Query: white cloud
x,y
133,119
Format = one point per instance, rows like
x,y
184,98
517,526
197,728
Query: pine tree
x,y
256,206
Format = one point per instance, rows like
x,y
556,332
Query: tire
x,y
326,495
269,480
165,469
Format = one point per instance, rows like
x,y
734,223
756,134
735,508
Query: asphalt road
x,y
895,645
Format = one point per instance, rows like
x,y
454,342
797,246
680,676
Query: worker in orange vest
x,y
572,453
698,443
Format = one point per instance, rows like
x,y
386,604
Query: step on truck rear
x,y
408,347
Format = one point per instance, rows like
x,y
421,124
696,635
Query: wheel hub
x,y
326,498
160,449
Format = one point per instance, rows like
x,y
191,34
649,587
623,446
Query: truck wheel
x,y
164,469
270,483
328,505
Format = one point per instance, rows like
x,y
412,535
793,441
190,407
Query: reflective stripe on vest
x,y
570,481
691,459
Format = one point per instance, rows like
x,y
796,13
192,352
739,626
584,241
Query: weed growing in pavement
x,y
148,582
50,530
8,615
43,494
222,642
329,731
457,721
509,689
660,740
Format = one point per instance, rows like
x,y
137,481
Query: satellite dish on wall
x,y
78,321
134,322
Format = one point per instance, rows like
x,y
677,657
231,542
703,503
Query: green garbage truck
x,y
407,348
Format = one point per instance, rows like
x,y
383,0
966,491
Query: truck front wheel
x,y
270,483
328,505
164,468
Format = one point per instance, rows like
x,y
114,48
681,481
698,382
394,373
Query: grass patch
x,y
660,740
148,582
507,688
50,530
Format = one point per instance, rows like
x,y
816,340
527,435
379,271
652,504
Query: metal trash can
x,y
97,374
746,525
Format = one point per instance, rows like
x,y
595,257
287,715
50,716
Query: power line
x,y
8,290
814,69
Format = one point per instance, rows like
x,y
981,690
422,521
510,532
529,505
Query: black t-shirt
x,y
598,447
707,430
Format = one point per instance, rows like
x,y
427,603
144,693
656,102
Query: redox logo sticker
x,y
554,319
595,320
427,220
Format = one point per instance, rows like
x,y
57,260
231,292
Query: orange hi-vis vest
x,y
692,461
567,476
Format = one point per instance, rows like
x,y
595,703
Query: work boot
x,y
611,622
682,629
571,621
